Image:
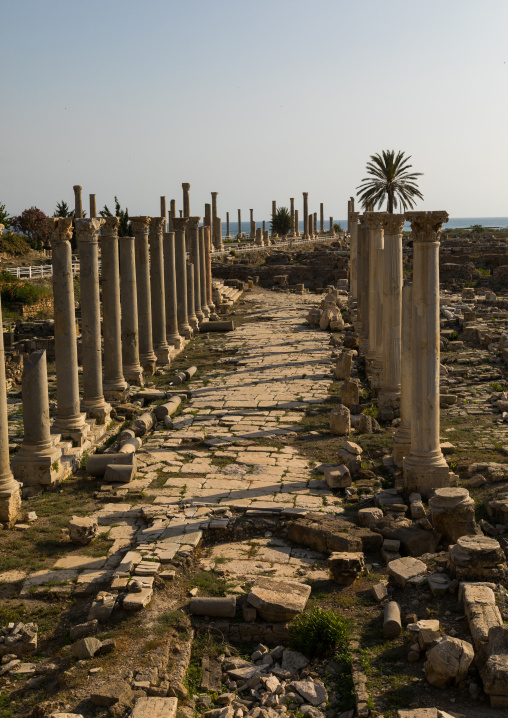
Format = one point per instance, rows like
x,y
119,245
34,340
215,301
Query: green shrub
x,y
23,292
319,632
453,336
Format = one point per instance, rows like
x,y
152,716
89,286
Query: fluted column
x,y
389,393
132,369
186,199
193,320
172,336
252,225
202,274
87,237
114,384
10,494
239,224
160,345
192,236
184,327
363,272
305,215
147,358
78,204
402,436
425,467
353,254
69,421
292,210
208,261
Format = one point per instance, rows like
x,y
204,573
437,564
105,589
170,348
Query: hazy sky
x,y
257,100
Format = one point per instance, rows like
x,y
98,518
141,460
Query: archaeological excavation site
x,y
254,474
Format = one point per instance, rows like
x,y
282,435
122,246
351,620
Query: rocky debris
x,y
115,691
453,513
349,393
85,647
379,591
337,477
406,570
448,661
83,530
155,708
278,600
346,566
369,517
477,558
340,421
343,367
18,639
327,534
313,692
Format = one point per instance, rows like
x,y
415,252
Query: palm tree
x,y
281,221
390,177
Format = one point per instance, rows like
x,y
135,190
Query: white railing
x,y
42,270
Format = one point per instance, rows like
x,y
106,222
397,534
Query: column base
x,y
200,316
148,362
71,429
176,342
401,444
425,474
116,394
163,353
10,503
205,311
32,468
134,374
100,411
194,324
185,331
388,399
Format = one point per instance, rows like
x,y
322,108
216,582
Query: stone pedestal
x,y
193,320
147,358
184,327
38,460
78,204
93,207
292,211
453,512
389,394
10,494
170,285
114,385
363,273
402,436
192,238
157,290
305,215
297,224
93,403
425,467
353,254
202,273
186,199
208,263
69,421
132,369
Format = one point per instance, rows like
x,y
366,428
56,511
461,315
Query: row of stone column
x,y
398,329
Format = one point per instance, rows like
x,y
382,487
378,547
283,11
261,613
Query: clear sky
x,y
257,100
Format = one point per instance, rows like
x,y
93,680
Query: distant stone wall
x,y
45,305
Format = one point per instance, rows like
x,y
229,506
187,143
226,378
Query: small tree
x,y
124,226
34,223
62,210
281,221
4,217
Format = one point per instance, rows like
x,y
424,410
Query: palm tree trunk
x,y
390,202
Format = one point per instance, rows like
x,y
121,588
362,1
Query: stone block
x,y
155,708
448,662
346,566
278,600
340,422
337,477
403,570
82,530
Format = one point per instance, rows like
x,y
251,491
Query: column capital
x,y
77,187
109,230
140,224
185,185
373,220
157,225
180,223
426,226
193,222
305,194
87,230
61,228
393,223
214,194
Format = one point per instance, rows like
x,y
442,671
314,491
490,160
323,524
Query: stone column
x,y
228,236
314,224
36,461
239,224
310,223
252,225
306,215
425,467
172,213
353,254
264,226
331,230
274,208
208,260
147,358
186,199
259,237
321,217
69,421
132,369
181,277
78,204
214,204
87,237
10,494
372,221
389,394
207,222
93,207
297,224
157,291
402,436
217,232
114,384
363,272
170,284
292,210
193,320
202,274
192,237
163,209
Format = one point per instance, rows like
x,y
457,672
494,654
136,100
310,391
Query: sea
x,y
453,223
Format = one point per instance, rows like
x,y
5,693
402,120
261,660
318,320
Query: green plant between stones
x,y
319,632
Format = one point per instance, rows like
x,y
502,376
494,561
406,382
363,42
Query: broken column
x,y
214,205
186,199
37,461
170,291
157,291
93,207
389,393
132,369
180,225
425,467
252,225
163,210
228,236
321,217
239,235
310,225
305,215
453,513
147,358
10,494
292,210
172,213
402,436
78,204
202,272
259,236
93,403
297,224
314,225
332,232
192,238
217,234
69,421
114,384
